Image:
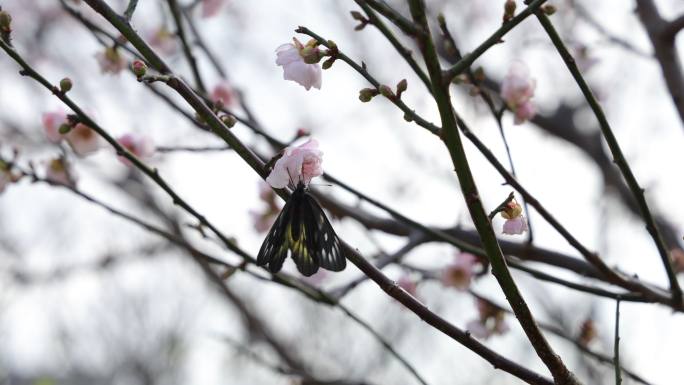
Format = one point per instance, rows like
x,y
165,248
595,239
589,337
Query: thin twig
x,y
616,362
618,156
495,38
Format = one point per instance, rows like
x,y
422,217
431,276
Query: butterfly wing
x,y
303,230
325,245
274,249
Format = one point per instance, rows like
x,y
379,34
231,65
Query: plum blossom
x,y
517,90
490,321
60,171
163,41
300,63
263,219
83,140
223,94
460,272
515,221
141,146
298,164
211,7
51,123
110,61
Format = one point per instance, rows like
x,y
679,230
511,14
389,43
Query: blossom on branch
x,y
517,90
141,146
110,61
515,221
163,40
460,272
490,321
223,95
51,123
300,63
83,140
298,164
60,171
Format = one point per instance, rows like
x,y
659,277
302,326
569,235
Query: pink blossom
x,y
110,61
517,89
490,321
60,171
51,123
163,41
211,7
300,63
515,221
460,272
83,140
524,112
141,146
515,226
223,94
409,284
298,164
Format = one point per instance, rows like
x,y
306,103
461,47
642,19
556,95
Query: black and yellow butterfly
x,y
303,231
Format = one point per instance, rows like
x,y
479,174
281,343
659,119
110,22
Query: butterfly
x,y
303,231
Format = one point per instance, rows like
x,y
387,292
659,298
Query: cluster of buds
x,y
363,22
490,321
366,94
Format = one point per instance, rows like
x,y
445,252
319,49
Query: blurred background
x,y
89,298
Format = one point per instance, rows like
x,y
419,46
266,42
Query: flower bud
x,y
328,63
387,92
64,128
228,120
65,85
5,21
401,87
366,94
549,9
356,15
139,68
509,8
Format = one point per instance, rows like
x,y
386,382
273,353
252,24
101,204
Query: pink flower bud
x,y
139,68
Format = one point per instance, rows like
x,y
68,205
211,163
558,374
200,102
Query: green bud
x,y
549,9
366,94
328,63
356,15
139,68
65,85
401,87
5,21
64,129
387,92
228,120
509,7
